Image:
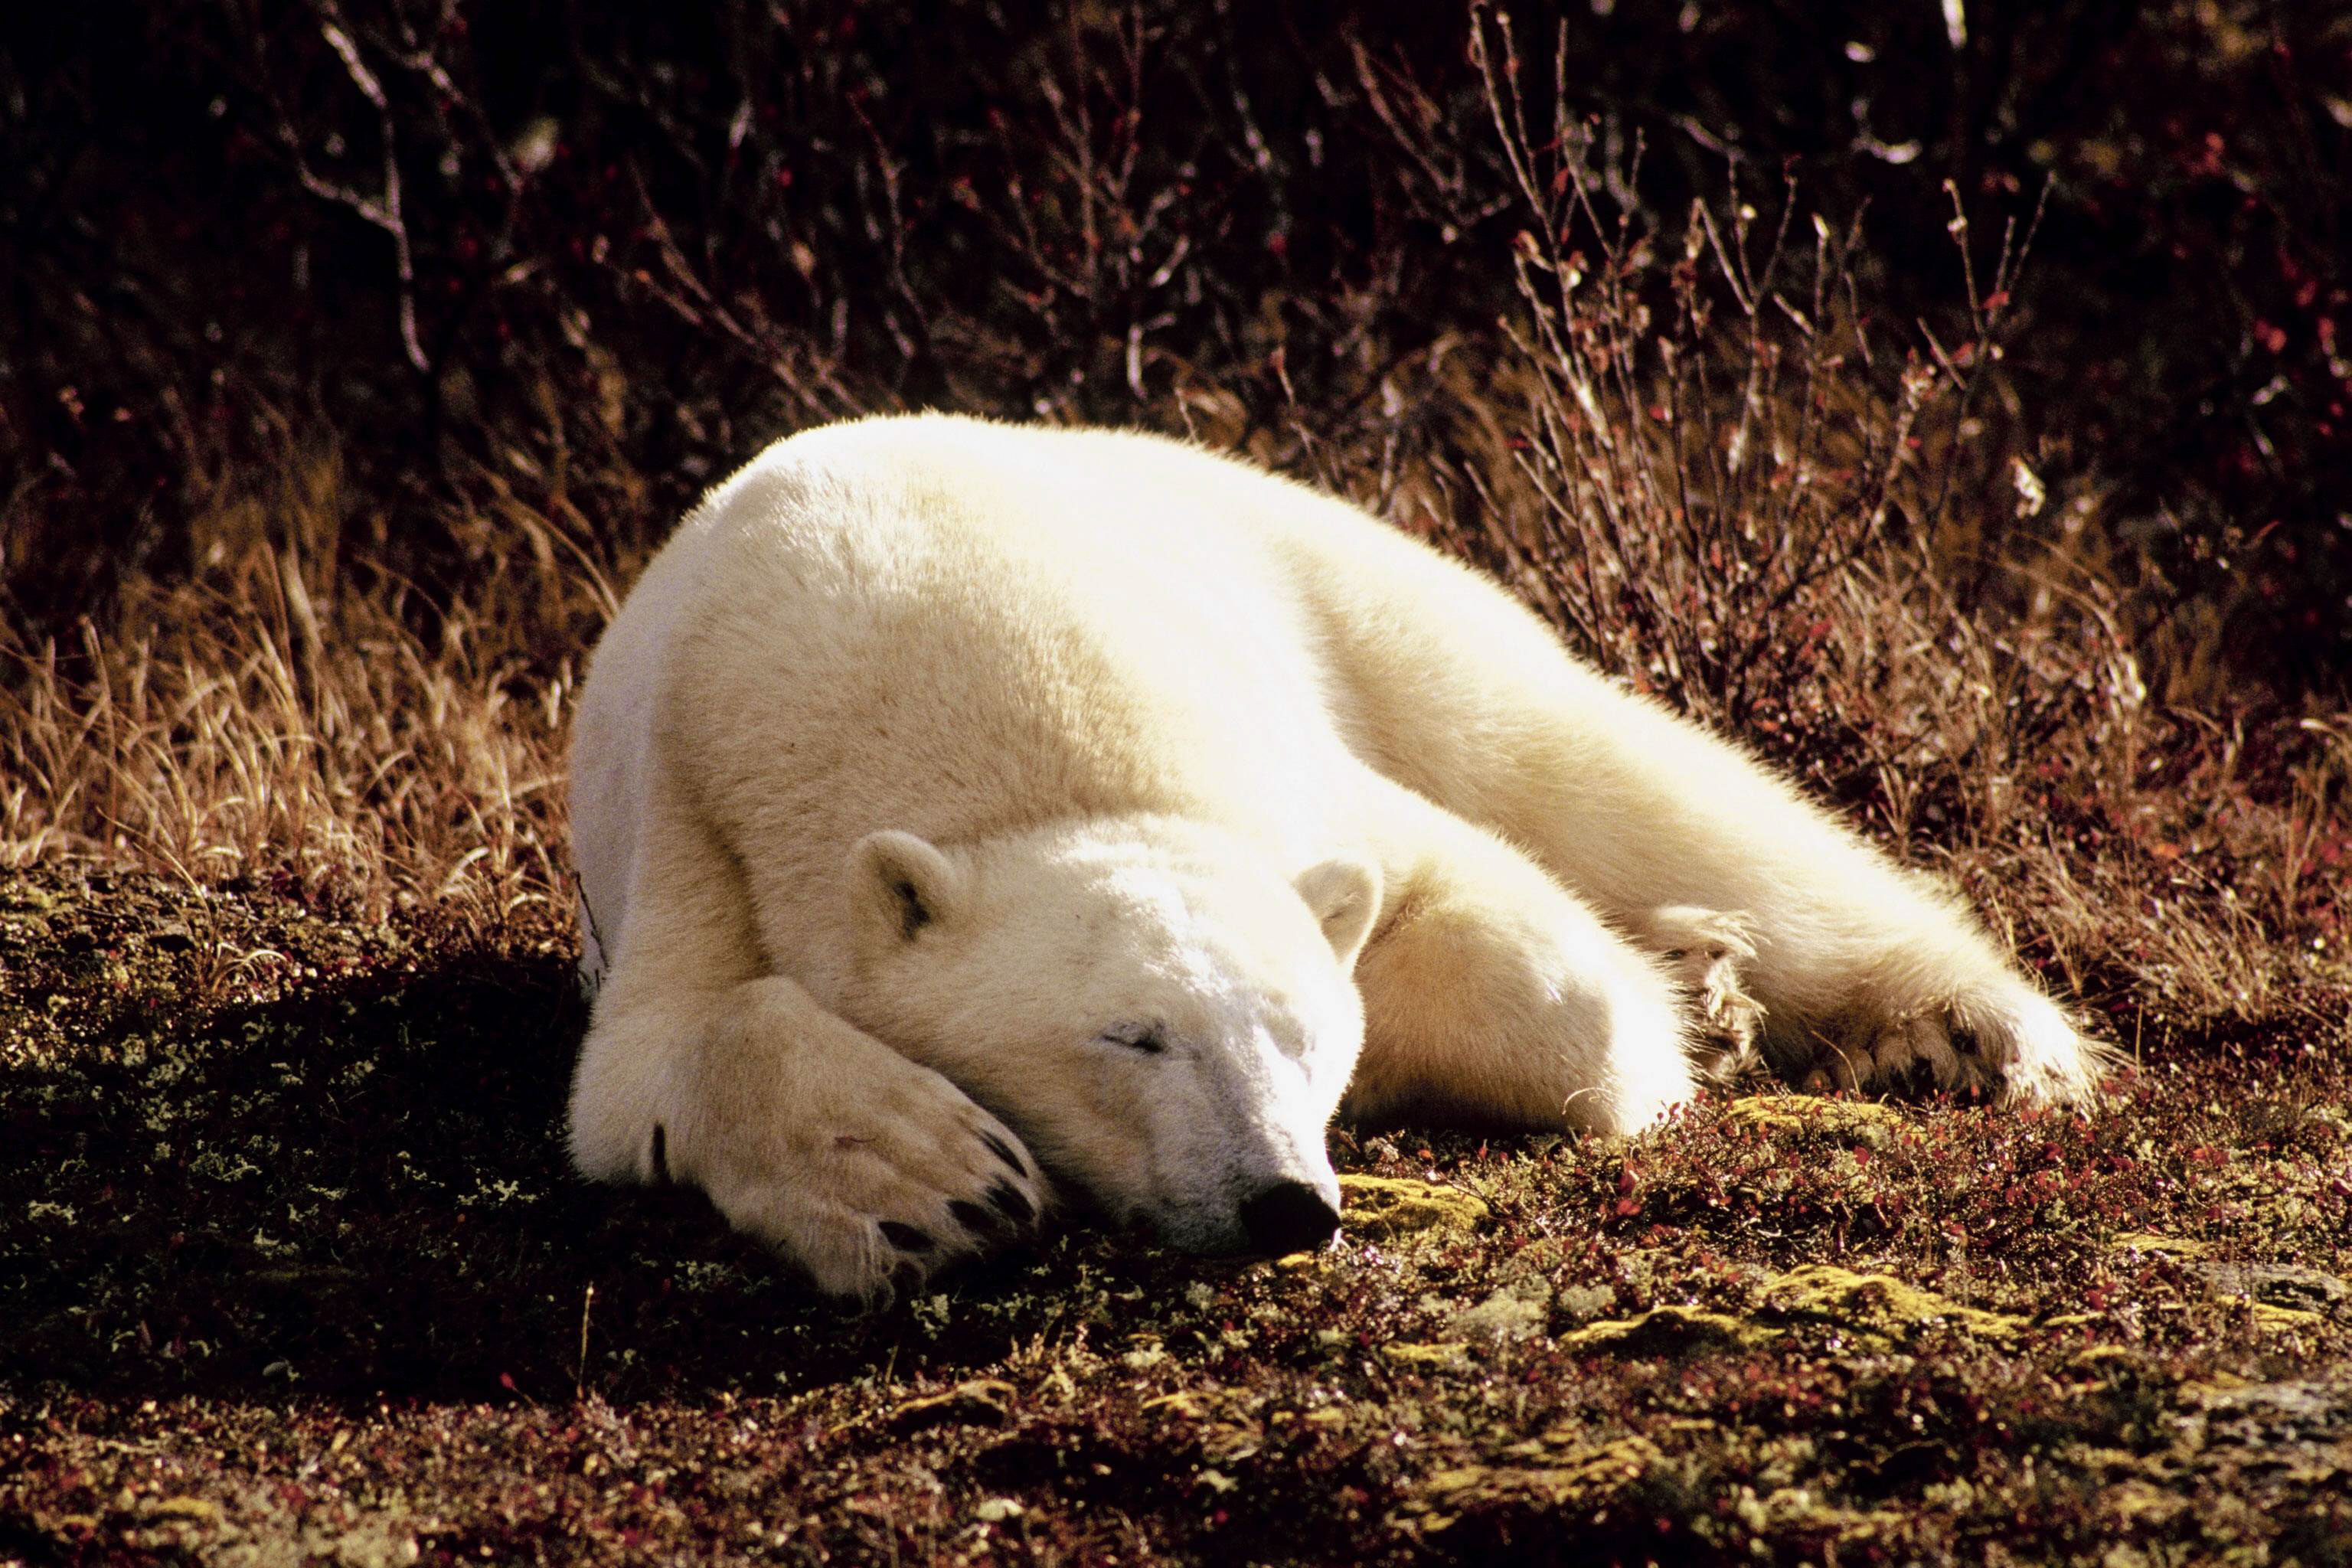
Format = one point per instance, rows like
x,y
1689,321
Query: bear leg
x,y
1493,996
867,1170
863,1167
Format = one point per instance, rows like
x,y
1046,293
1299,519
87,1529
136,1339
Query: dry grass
x,y
1734,499
1698,443
271,717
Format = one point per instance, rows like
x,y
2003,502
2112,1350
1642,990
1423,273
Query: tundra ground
x,y
294,1267
1946,401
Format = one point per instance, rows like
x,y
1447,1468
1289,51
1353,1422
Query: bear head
x,y
1168,1021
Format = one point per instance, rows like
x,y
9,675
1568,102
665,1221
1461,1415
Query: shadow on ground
x,y
353,1186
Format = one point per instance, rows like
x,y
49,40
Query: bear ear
x,y
901,886
1344,894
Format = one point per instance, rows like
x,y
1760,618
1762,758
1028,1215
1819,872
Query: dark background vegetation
x,y
649,239
353,357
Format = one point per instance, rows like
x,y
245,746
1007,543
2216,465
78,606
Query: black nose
x,y
1288,1216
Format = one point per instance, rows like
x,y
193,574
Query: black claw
x,y
974,1218
906,1237
661,1156
906,1280
1003,1152
1007,1201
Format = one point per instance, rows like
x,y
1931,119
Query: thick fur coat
x,y
955,803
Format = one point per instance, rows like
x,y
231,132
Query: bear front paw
x,y
878,1196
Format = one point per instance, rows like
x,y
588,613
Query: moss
x,y
294,1269
1382,1207
1666,1331
979,1401
2163,1246
1878,1305
1518,1310
1869,1123
2283,1319
1570,1478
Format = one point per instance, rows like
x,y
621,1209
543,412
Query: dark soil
x,y
291,1268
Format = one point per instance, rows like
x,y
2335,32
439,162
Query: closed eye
x,y
1144,1037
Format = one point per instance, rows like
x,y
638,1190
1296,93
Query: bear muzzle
x,y
1288,1216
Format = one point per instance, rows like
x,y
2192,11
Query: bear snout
x,y
1288,1216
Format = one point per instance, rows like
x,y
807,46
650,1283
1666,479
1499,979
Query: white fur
x,y
933,758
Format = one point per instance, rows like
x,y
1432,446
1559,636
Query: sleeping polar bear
x,y
956,803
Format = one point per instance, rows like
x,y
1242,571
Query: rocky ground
x,y
292,1270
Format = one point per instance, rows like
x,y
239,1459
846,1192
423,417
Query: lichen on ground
x,y
292,1270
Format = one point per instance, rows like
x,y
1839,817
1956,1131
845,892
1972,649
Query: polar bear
x,y
955,803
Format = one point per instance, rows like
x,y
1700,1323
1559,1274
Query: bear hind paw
x,y
2018,1048
1907,1055
1706,953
